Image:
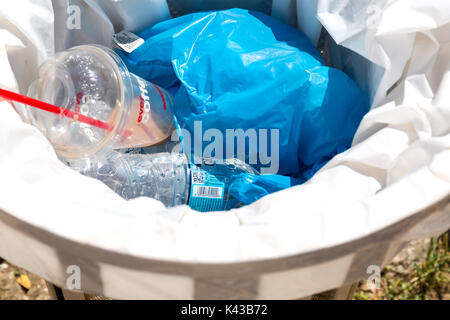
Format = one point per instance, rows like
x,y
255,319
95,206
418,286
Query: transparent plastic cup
x,y
93,81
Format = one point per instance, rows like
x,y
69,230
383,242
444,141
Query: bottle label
x,y
127,41
206,191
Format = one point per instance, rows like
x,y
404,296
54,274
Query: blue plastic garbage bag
x,y
247,188
236,69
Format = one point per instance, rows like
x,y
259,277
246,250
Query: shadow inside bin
x,y
181,7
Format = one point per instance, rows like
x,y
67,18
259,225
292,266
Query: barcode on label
x,y
127,41
207,192
198,177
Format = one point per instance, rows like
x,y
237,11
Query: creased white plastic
x,y
284,223
383,31
398,165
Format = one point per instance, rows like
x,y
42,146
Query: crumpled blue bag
x,y
247,188
238,69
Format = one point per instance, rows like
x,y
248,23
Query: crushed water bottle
x,y
169,178
166,147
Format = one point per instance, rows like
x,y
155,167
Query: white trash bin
x,y
392,186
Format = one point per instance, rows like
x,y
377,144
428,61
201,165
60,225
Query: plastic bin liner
x,y
393,185
135,15
72,20
301,13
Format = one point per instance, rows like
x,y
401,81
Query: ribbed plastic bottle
x,y
166,147
169,178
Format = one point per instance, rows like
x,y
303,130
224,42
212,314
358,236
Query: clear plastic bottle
x,y
166,147
169,178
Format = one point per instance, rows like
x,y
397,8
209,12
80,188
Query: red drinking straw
x,y
55,109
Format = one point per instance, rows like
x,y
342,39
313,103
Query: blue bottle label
x,y
206,191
